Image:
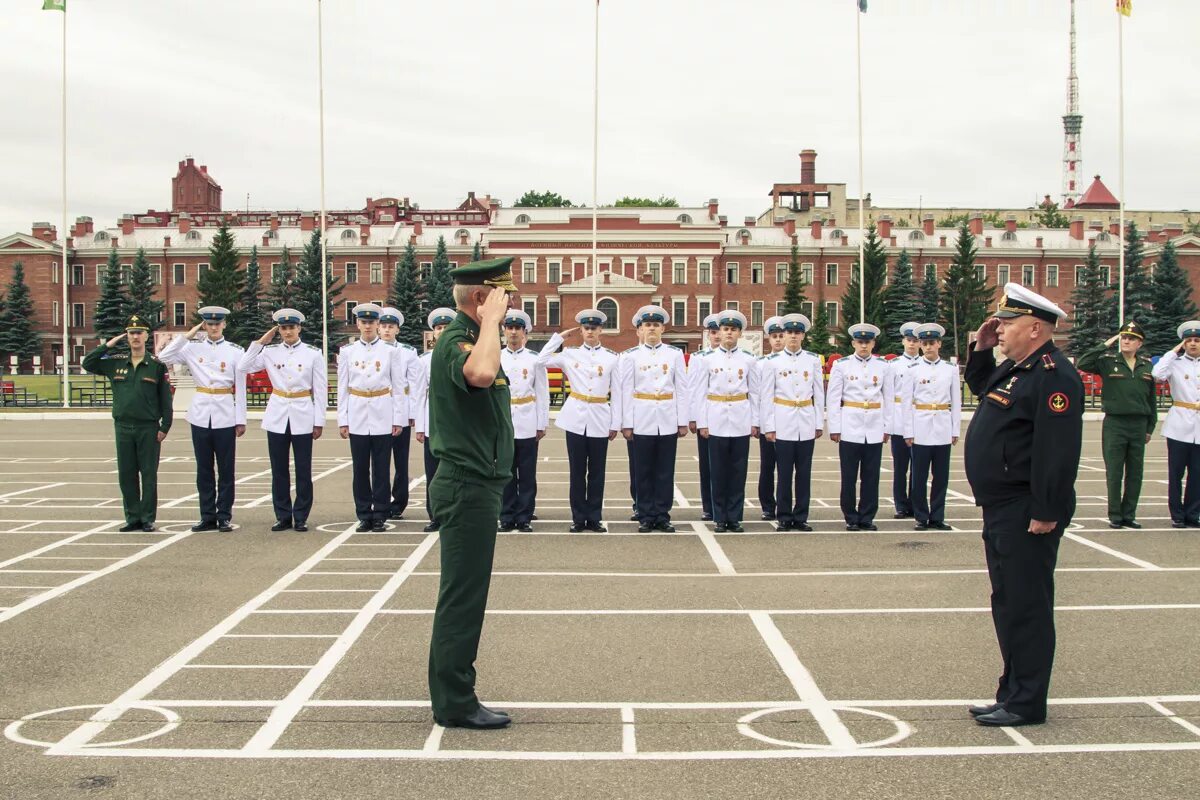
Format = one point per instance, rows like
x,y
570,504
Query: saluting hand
x,y
493,309
1111,340
988,335
569,331
195,329
266,338
114,340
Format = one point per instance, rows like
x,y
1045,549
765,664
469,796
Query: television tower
x,y
1072,128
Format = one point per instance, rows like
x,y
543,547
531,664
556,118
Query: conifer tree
x,y
113,307
406,296
817,339
901,302
793,293
440,290
1089,299
966,297
875,276
141,294
307,297
930,298
223,283
282,290
17,337
1139,295
253,319
1172,303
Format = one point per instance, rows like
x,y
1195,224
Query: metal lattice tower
x,y
1072,131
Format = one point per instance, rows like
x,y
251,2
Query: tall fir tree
x,y
307,297
17,337
929,300
476,252
1139,290
141,293
1172,302
112,309
966,297
817,339
406,297
793,293
875,283
901,301
1089,300
440,289
223,283
253,319
282,291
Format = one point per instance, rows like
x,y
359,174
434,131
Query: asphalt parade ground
x,y
827,664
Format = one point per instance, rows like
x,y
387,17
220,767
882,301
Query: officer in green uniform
x,y
471,433
1129,418
141,411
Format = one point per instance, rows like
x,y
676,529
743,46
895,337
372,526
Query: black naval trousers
x,y
902,479
587,456
431,468
705,476
860,461
632,474
794,463
520,493
654,460
727,466
766,475
215,446
301,446
370,454
400,447
929,504
1183,457
1021,568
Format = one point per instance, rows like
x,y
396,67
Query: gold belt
x,y
931,406
219,390
728,398
587,398
856,404
645,396
1192,406
783,401
291,395
898,399
520,401
371,393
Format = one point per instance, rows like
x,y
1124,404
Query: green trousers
x,y
467,507
137,471
1124,444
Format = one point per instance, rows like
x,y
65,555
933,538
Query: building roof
x,y
1098,196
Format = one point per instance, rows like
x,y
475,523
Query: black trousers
x,y
766,475
431,468
794,464
1021,568
705,476
929,505
370,455
860,462
902,480
587,456
727,465
301,447
214,446
1183,457
654,460
632,474
400,445
520,494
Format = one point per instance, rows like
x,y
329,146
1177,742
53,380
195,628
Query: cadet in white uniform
x,y
772,343
295,414
712,338
390,322
901,455
629,441
372,407
591,416
859,404
727,416
437,321
932,417
792,414
217,413
529,393
1180,367
654,415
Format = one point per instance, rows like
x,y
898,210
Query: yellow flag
x,y
1125,7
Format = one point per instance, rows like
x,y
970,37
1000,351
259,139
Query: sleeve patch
x,y
465,347
1058,403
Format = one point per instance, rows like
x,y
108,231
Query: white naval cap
x,y
796,322
516,316
591,316
367,311
909,329
440,316
213,313
1019,301
1188,329
392,315
652,314
731,317
863,330
930,330
712,322
773,325
288,316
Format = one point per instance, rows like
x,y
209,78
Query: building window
x,y
781,272
1027,274
806,308
655,270
756,272
350,304
529,272
179,315
351,272
684,219
1106,273
529,306
522,219
703,309
1079,268
178,274
54,312
554,272
376,272
981,273
1051,275
77,318
553,313
916,236
836,234
831,274
831,314
806,273
679,311
156,274
426,271
54,272
779,308
731,272
609,307
348,235
756,313
200,270
704,272
1003,274
731,305
77,276
930,271
193,236
679,272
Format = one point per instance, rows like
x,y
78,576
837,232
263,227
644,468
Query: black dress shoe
x,y
868,526
396,515
1129,523
525,527
901,515
978,711
211,525
595,527
1192,523
1116,525
768,517
300,527
1002,718
130,526
665,527
720,527
431,527
645,528
802,526
706,517
735,527
505,527
224,526
533,517
479,719
852,528
1173,525
364,526
921,526
575,528
635,517
378,526
783,527
940,526
148,527
281,525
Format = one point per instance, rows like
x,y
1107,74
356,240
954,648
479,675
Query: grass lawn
x,y
47,387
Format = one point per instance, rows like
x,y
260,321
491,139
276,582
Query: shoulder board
x,y
772,355
237,346
1048,361
407,346
313,347
672,347
630,350
747,352
347,346
270,346
605,349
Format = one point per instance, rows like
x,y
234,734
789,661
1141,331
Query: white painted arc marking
x,y
181,500
724,565
32,489
1074,537
258,501
680,500
802,681
58,544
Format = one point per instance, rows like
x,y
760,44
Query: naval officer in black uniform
x,y
1022,457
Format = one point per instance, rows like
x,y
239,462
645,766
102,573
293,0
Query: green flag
x,y
54,5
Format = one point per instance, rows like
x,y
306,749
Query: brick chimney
x,y
44,231
1039,243
364,233
308,222
185,223
975,224
1010,223
1076,228
808,166
166,242
927,224
941,241
418,227
722,220
713,205
1095,225
884,226
815,227
1172,229
750,222
83,226
987,241
1114,228
845,240
127,225
891,241
789,227
274,221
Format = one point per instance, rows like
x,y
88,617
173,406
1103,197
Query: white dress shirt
x,y
654,390
372,389
860,399
899,367
529,392
420,393
220,400
931,402
792,395
593,408
299,385
1183,375
726,382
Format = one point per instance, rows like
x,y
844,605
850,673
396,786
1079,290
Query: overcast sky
x,y
698,99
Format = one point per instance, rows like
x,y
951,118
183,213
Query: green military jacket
x,y
1126,392
141,394
469,427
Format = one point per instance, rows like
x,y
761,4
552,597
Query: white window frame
x,y
758,269
179,312
1053,276
700,313
346,271
54,311
655,267
550,264
833,316
82,275
732,305
679,319
1031,271
613,323
349,314
779,304
701,266
757,307
531,299
376,272
557,301
528,271
82,323
1003,274
807,269
629,268
54,272
734,269
201,268
926,267
836,273
156,274
781,272
1078,269
178,269
981,272
579,266
678,266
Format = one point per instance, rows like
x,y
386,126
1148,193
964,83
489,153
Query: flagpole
x,y
862,267
1121,162
321,117
595,150
66,353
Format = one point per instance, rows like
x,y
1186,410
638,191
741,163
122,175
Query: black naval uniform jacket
x,y
1026,435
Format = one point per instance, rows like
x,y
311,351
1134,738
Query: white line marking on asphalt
x,y
31,489
247,666
724,565
680,500
628,731
181,500
59,543
1074,537
433,742
1017,737
266,498
702,612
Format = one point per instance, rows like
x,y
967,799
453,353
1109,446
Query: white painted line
x,y
724,565
1017,737
628,731
38,488
717,612
1074,537
960,496
1187,726
266,498
247,666
266,736
313,591
59,543
680,500
280,636
181,500
802,681
433,742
